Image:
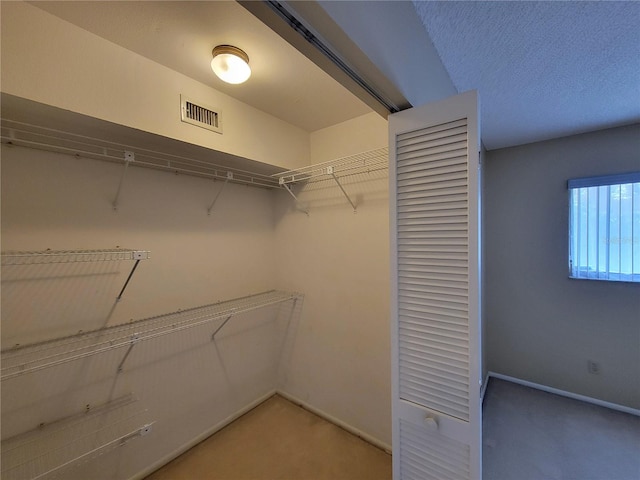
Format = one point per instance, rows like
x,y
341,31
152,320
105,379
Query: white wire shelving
x,y
24,359
370,161
14,258
39,137
13,132
72,256
48,450
365,162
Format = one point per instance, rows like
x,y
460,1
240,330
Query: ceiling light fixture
x,y
230,64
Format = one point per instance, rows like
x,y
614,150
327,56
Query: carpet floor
x,y
527,435
278,440
533,435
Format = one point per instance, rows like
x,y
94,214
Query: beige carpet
x,y
280,441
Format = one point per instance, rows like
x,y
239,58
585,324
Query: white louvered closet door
x,y
435,267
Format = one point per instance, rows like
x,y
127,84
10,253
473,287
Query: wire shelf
x,y
364,162
49,449
24,359
72,256
43,138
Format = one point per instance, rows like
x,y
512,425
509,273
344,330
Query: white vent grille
x,y
433,290
199,115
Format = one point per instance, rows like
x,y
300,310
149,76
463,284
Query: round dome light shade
x,y
230,64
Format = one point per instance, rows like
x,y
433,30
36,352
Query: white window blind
x,y
604,227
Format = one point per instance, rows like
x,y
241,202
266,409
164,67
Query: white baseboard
x,y
203,436
575,396
336,421
483,389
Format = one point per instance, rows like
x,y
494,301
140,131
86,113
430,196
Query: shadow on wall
x,y
41,301
363,189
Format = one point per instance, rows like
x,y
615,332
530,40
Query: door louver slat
x,y
424,132
426,454
444,143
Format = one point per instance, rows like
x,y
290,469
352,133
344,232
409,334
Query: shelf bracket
x,y
128,158
135,338
213,336
141,255
288,189
229,177
330,172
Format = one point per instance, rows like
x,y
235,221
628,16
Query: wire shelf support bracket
x,y
137,256
213,335
330,171
128,158
215,199
298,203
135,338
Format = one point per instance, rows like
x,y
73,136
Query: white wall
x,y
51,61
336,353
187,382
541,325
338,359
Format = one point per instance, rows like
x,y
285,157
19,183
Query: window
x,y
604,227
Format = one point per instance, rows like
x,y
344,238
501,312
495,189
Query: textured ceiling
x,y
180,35
542,69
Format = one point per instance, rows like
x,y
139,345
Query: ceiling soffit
x,y
181,35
